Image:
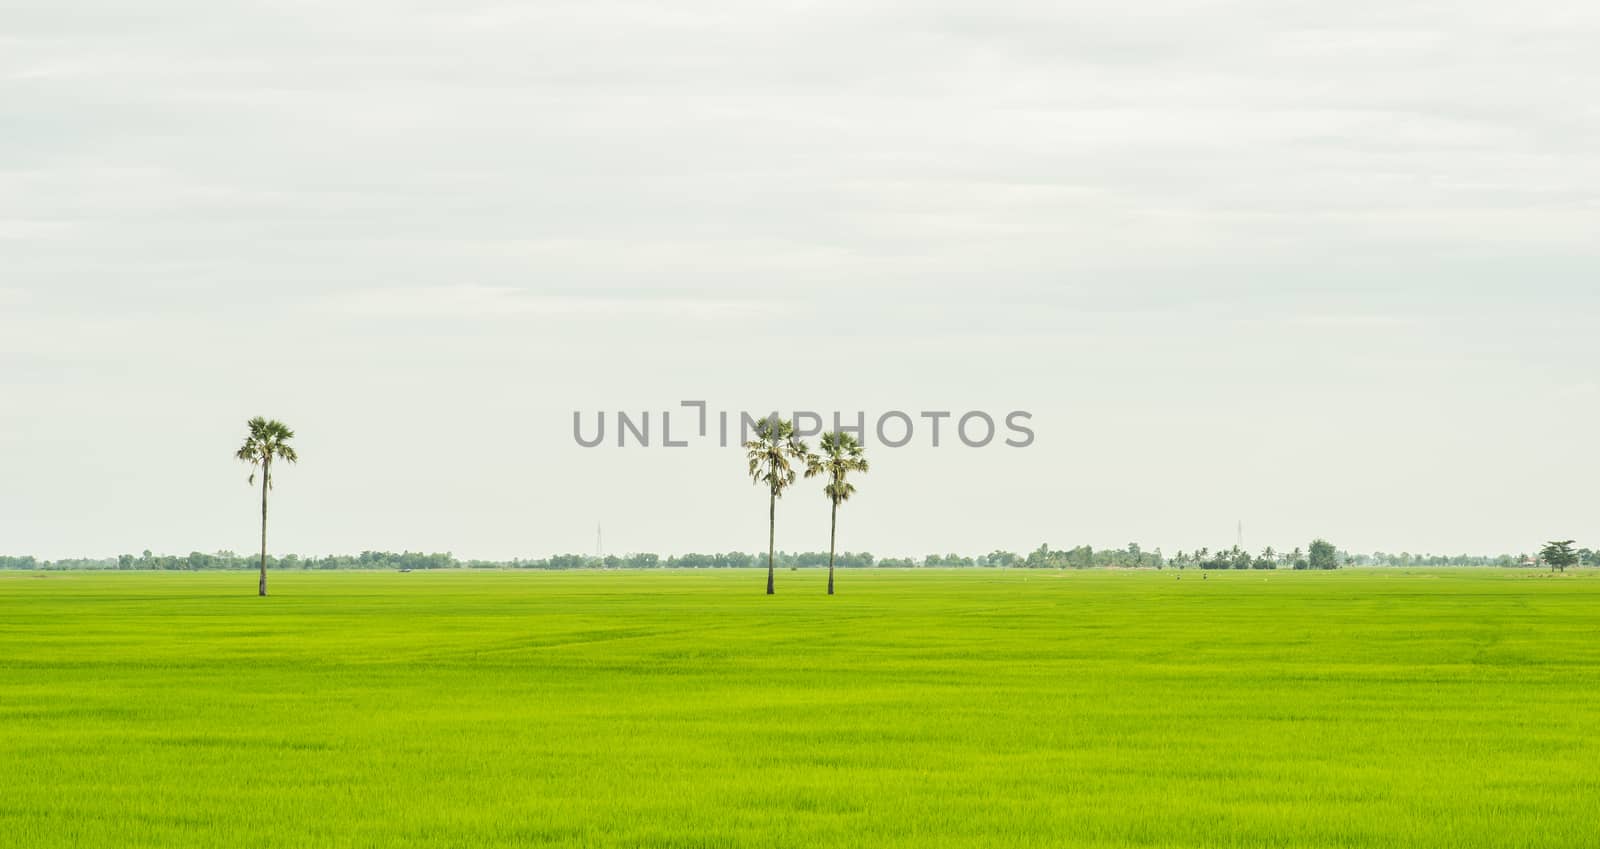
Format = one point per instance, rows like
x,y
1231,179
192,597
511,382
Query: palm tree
x,y
841,455
771,453
268,441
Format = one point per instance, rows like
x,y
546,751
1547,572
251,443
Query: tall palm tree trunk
x,y
833,534
772,536
266,479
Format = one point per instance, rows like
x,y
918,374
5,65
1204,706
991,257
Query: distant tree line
x,y
197,561
1319,555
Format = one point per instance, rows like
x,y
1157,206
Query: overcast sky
x,y
1328,269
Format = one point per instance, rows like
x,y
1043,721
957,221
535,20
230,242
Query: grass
x,y
918,708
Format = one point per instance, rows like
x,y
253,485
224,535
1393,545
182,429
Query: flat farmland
x,y
917,708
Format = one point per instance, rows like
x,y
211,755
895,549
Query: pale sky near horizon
x,y
1326,269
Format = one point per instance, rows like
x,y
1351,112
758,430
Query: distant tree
x,y
1002,558
1323,555
773,455
1039,558
267,441
1219,559
1559,554
838,455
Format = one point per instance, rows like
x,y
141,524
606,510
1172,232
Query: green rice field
x,y
917,708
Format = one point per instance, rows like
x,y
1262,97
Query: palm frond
x,y
774,454
268,440
841,454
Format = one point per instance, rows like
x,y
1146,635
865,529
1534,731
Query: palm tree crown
x,y
268,441
840,454
773,454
